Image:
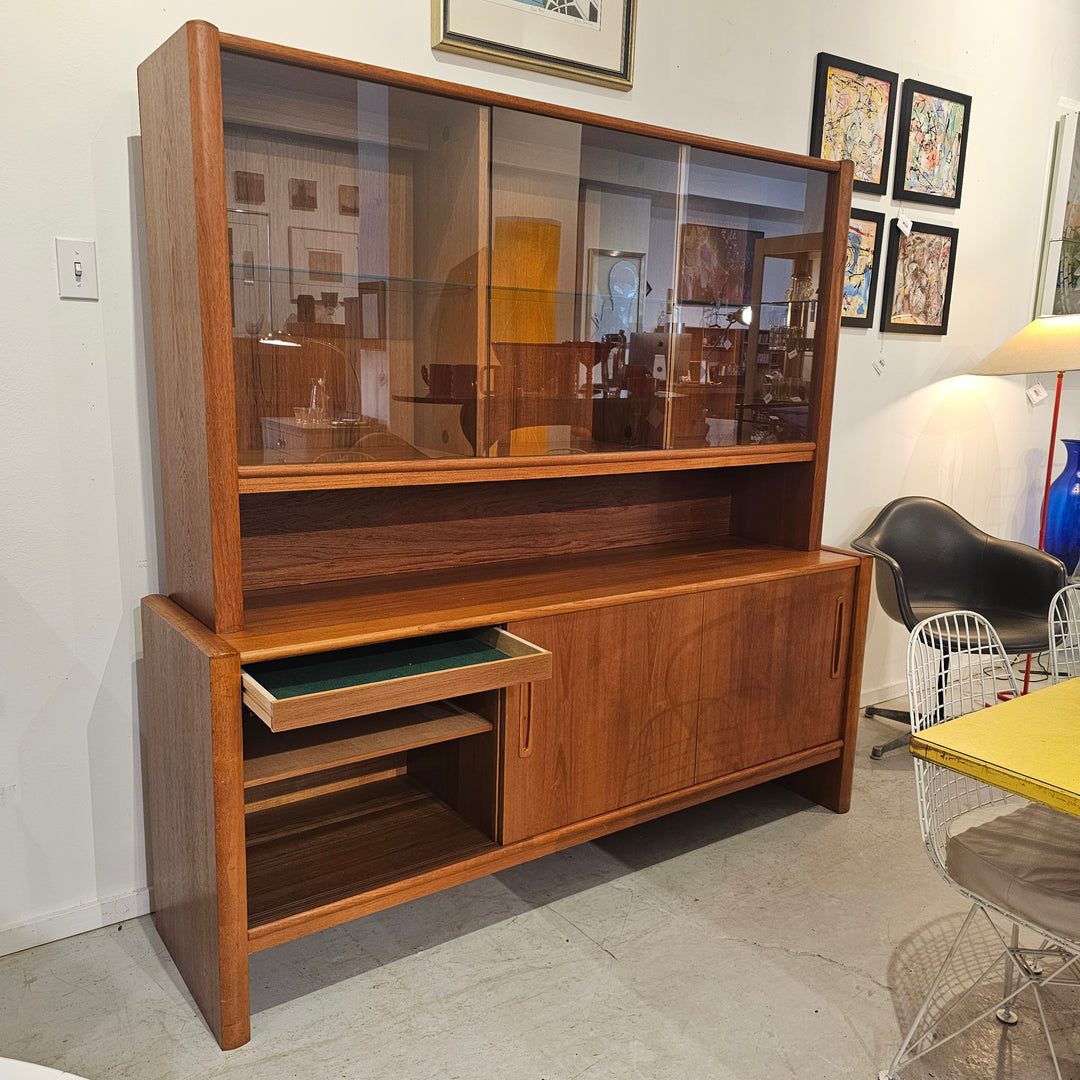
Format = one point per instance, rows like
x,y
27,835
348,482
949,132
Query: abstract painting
x,y
860,269
716,264
919,279
591,40
933,144
1059,285
854,105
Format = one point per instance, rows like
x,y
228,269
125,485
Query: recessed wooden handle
x,y
838,636
525,721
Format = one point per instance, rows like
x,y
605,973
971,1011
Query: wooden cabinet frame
x,y
272,562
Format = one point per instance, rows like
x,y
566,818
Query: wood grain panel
x,y
305,855
774,667
195,811
293,539
830,782
289,622
616,722
270,757
325,782
498,857
184,183
830,291
259,474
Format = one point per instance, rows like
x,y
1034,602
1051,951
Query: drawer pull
x,y
838,637
525,721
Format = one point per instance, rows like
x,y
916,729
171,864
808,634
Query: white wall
x,y
79,539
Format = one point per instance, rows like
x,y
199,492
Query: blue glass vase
x,y
1063,510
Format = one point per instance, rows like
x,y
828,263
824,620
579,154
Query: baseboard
x,y
76,920
882,693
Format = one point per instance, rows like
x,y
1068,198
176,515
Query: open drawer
x,y
299,691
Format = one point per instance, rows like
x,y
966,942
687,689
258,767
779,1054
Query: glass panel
x,y
354,218
583,236
749,257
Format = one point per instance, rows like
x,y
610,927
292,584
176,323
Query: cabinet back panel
x,y
295,538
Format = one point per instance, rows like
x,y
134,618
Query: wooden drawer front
x,y
774,664
305,690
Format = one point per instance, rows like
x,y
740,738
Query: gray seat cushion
x,y
1026,862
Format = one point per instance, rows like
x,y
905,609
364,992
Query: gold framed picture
x,y
590,40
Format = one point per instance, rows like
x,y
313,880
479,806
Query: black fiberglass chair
x,y
937,561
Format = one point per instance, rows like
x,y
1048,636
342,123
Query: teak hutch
x,y
493,440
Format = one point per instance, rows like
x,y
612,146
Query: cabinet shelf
x,y
270,757
289,274
314,618
257,475
308,854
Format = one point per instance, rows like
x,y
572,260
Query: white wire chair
x,y
985,842
1064,634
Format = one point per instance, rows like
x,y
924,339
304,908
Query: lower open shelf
x,y
306,854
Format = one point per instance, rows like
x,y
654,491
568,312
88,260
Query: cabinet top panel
x,y
292,621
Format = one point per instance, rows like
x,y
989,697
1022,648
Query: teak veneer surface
x,y
255,478
358,893
304,855
294,621
272,756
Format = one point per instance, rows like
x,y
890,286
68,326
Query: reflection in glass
x,y
416,277
370,199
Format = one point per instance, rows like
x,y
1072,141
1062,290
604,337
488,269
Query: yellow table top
x,y
1029,746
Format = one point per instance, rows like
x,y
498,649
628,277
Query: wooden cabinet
x,y
442,371
774,667
614,725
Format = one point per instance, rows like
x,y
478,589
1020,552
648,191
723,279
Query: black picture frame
x,y
856,131
855,266
905,298
917,123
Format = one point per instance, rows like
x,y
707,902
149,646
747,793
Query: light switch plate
x,y
76,269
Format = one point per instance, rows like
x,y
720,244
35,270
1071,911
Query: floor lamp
x,y
1048,343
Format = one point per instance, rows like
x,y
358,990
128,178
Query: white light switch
x,y
76,269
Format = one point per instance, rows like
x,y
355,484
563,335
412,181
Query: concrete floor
x,y
754,938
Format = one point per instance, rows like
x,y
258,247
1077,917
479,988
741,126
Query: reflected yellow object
x,y
524,275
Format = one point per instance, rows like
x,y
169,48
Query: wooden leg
x,y
193,754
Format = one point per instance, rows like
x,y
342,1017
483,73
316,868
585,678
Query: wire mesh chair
x,y
1064,630
1009,857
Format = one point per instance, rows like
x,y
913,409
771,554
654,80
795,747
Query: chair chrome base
x,y
1023,967
900,715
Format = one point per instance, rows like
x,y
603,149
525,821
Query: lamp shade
x,y
1050,343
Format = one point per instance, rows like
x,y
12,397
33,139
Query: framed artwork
x,y
1059,275
348,200
249,187
370,323
865,229
854,107
249,271
932,145
323,264
591,40
303,194
919,279
716,264
615,290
